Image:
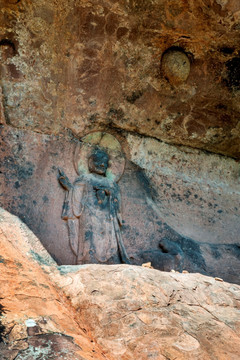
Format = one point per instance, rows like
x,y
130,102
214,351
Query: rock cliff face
x,y
117,312
163,78
158,68
180,207
159,75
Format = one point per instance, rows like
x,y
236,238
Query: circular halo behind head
x,y
107,143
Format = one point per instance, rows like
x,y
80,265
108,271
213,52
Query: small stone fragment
x,y
218,279
147,265
20,345
18,332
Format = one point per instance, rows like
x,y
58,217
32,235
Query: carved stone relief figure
x,y
92,206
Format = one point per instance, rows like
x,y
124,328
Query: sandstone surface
x,y
39,320
196,193
116,312
162,77
90,65
140,313
180,207
149,72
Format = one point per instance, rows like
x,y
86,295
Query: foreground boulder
x,y
38,322
116,312
140,313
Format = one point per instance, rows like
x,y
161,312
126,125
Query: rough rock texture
x,y
30,190
196,193
140,313
2,116
38,319
146,71
86,65
116,312
180,207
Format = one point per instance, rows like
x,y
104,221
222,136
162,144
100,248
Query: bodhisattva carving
x,y
92,209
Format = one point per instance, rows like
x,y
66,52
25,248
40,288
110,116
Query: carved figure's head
x,y
98,162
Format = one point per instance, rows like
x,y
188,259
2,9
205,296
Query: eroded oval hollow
x,y
175,65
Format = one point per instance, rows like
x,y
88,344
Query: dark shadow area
x,y
2,327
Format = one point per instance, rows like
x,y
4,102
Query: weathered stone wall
x,y
85,65
30,190
180,207
151,73
197,193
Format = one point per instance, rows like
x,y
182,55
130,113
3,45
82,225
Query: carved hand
x,y
61,172
64,181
